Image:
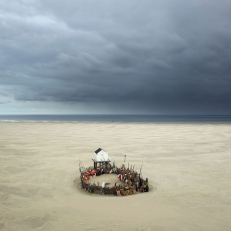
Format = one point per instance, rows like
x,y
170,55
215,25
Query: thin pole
x,y
141,167
80,165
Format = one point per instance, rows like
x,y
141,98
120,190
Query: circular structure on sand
x,y
116,181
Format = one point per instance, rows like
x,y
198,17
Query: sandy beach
x,y
188,166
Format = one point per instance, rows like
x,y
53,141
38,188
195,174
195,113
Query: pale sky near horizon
x,y
124,57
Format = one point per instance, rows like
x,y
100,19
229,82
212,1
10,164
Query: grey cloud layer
x,y
159,55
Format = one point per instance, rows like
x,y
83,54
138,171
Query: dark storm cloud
x,y
160,56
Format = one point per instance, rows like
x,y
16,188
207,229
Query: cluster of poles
x,y
131,182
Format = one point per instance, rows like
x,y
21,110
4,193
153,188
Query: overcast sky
x,y
107,56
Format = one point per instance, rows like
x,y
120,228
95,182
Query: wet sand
x,y
188,165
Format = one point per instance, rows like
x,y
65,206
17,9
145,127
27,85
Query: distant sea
x,y
119,118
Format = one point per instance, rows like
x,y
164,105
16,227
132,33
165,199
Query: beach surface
x,y
188,167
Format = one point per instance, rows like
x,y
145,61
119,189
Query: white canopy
x,y
100,155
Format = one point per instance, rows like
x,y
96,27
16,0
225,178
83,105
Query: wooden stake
x,y
141,166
